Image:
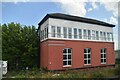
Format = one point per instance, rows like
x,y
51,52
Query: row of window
x,y
67,56
74,33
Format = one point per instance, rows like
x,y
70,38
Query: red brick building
x,y
72,42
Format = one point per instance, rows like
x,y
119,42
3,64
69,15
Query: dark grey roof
x,y
74,18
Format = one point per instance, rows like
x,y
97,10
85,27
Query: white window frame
x,y
103,55
67,54
87,54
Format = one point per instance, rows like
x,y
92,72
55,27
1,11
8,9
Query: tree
x,y
20,46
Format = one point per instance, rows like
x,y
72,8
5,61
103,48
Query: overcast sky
x,y
27,12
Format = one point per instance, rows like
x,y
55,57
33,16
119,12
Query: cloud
x,y
113,20
90,9
73,7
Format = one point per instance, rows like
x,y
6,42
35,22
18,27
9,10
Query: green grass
x,y
39,73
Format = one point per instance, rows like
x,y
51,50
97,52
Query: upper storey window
x,y
89,34
85,33
59,32
70,33
65,32
53,31
80,33
75,33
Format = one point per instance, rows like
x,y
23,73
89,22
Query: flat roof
x,y
74,18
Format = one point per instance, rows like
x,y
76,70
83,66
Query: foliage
x,y
117,70
20,46
39,73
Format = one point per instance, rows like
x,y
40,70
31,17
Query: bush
x,y
96,74
117,70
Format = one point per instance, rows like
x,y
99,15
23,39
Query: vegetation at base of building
x,y
40,73
20,46
117,70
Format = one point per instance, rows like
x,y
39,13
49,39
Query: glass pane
x,y
104,35
65,32
101,55
65,51
104,50
85,55
88,55
58,31
80,33
85,61
88,50
70,32
89,61
85,34
85,50
69,62
101,60
89,34
64,62
64,56
75,33
104,55
69,56
104,60
97,35
53,31
69,50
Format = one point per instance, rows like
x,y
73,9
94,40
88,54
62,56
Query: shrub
x,y
117,70
96,74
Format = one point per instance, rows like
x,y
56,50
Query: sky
x,y
29,13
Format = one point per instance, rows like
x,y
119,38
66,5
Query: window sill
x,y
67,66
87,64
103,63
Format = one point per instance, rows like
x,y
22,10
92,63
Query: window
x,y
69,32
40,35
111,37
80,33
101,35
58,32
87,56
47,32
93,35
85,34
75,33
104,35
108,36
103,55
65,32
43,34
53,31
67,57
97,35
89,34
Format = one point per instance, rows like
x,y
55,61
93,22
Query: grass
x,y
39,73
